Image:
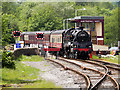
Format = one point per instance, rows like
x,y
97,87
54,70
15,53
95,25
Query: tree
x,y
111,27
8,26
37,16
9,7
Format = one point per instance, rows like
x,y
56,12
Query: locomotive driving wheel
x,y
71,55
88,57
75,55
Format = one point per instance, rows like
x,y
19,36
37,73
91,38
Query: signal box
x,y
94,25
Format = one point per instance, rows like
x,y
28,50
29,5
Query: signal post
x,y
17,34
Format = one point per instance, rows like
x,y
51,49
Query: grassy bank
x,y
109,59
34,58
24,76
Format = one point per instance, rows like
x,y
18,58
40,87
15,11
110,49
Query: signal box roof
x,y
87,19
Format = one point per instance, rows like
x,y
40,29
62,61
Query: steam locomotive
x,y
71,43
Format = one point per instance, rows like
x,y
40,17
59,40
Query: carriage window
x,y
58,39
26,37
30,37
53,40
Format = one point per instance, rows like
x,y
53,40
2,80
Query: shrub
x,y
8,60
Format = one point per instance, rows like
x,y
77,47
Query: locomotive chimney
x,y
81,28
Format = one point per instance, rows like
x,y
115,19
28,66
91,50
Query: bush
x,y
8,60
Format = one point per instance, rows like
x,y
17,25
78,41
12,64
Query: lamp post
x,y
77,10
66,23
76,13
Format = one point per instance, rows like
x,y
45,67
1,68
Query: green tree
x,y
37,16
8,26
9,7
111,27
8,60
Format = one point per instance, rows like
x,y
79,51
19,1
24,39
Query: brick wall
x,y
26,51
100,42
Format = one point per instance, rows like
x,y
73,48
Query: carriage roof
x,y
45,32
58,32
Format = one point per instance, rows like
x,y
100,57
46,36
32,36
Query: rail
x,y
88,83
116,85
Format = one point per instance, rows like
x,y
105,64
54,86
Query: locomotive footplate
x,y
82,53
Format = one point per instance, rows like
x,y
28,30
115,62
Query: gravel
x,y
55,73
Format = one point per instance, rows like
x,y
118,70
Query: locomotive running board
x,y
51,49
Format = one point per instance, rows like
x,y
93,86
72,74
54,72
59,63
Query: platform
x,y
100,47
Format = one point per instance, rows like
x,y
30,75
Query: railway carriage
x,y
30,39
56,38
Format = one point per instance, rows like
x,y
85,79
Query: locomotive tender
x,y
69,43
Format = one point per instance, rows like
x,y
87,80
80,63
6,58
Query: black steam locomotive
x,y
77,43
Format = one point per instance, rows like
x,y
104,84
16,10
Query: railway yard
x,y
60,45
78,44
92,74
74,73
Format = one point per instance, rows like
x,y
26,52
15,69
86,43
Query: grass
x,y
95,57
109,59
25,76
41,84
112,60
34,58
22,74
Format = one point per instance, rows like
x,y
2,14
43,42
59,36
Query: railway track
x,y
87,80
94,74
114,69
107,64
